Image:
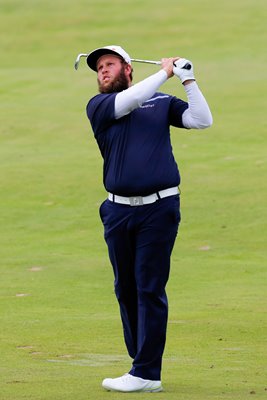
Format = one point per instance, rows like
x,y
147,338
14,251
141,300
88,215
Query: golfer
x,y
141,215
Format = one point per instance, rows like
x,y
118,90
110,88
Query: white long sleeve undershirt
x,y
136,95
197,115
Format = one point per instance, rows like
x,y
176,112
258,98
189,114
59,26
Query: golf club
x,y
186,66
76,65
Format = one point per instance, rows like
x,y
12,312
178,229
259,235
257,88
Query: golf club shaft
x,y
186,66
146,61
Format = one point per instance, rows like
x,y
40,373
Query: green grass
x,y
60,332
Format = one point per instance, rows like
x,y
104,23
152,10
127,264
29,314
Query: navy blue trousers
x,y
140,240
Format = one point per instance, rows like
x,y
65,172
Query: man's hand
x,y
183,69
167,65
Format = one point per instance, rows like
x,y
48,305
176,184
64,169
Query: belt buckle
x,y
136,201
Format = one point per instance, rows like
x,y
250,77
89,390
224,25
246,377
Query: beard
x,y
118,85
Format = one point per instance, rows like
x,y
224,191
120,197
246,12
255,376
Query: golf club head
x,y
76,65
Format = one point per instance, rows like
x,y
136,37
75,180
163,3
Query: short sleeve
x,y
100,111
176,110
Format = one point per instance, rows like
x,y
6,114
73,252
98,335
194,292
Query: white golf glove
x,y
183,69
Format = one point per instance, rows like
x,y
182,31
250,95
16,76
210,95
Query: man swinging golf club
x,y
131,124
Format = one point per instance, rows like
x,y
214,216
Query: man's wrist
x,y
165,72
188,81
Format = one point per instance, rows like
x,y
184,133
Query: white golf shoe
x,y
130,383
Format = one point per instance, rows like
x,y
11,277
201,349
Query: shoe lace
x,y
126,376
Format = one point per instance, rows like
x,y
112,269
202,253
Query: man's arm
x,y
198,114
136,95
133,97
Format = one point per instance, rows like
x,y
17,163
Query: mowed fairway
x,y
60,331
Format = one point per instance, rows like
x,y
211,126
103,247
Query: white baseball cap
x,y
93,57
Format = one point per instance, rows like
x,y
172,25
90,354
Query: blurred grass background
x,y
60,330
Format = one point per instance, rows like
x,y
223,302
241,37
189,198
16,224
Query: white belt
x,y
140,201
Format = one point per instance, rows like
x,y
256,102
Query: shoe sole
x,y
154,390
159,389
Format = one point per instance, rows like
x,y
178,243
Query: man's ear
x,y
128,69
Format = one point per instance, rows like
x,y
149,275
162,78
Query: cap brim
x,y
93,57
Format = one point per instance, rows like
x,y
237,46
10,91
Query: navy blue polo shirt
x,y
137,151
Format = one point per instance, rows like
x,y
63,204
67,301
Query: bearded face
x,y
114,83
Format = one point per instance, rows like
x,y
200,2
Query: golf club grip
x,y
187,66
